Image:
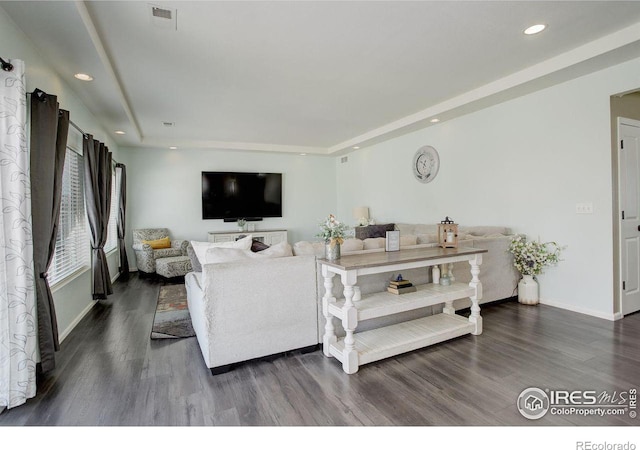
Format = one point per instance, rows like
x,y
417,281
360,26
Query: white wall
x,y
164,189
523,164
73,299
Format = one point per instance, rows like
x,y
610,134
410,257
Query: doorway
x,y
629,207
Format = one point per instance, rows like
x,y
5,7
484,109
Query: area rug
x,y
172,320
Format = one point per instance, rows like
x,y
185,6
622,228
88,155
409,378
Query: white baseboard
x,y
72,325
115,277
84,312
588,312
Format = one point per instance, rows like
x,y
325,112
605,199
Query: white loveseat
x,y
253,307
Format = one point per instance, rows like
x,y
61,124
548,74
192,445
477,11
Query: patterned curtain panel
x,y
18,338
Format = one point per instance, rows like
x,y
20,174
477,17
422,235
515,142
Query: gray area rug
x,y
172,320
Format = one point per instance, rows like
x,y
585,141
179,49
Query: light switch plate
x,y
584,208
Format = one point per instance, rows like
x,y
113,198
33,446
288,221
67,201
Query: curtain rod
x,y
38,91
6,65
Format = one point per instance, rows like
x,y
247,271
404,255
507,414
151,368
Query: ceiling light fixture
x,y
355,147
119,132
435,120
535,29
173,147
83,77
303,154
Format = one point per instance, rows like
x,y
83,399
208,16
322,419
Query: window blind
x,y
72,251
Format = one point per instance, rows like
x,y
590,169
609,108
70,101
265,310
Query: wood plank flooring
x,y
110,373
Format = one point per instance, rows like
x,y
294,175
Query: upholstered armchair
x,y
146,255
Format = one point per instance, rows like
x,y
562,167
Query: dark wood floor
x,y
110,373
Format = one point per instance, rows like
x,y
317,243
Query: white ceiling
x,y
319,77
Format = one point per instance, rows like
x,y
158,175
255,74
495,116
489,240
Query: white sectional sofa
x,y
246,306
253,307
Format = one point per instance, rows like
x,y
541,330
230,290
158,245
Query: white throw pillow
x,y
200,248
222,255
352,245
371,243
278,250
308,248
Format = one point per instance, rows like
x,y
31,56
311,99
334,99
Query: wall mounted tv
x,y
235,195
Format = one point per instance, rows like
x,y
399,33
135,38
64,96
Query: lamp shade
x,y
360,212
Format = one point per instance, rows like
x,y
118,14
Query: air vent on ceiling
x,y
162,13
163,17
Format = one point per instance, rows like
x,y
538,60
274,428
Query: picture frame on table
x,y
392,241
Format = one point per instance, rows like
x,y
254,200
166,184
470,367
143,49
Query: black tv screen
x,y
241,195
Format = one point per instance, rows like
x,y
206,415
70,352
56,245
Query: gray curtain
x,y
49,130
97,194
122,208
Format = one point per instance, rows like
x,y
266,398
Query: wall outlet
x,y
584,208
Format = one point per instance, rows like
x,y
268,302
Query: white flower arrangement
x,y
531,257
332,230
362,222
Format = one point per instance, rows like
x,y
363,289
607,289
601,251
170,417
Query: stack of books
x,y
400,287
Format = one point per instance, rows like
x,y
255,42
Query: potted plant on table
x,y
530,258
333,232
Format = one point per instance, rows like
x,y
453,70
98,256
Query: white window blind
x,y
112,229
72,251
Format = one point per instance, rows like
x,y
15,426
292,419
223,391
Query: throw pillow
x,y
216,255
406,241
352,245
374,231
308,248
278,250
201,247
258,246
159,243
371,243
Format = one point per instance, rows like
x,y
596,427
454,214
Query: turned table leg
x,y
475,283
329,336
349,323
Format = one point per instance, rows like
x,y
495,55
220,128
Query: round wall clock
x,y
426,163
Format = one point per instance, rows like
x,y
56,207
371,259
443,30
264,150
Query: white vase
x,y
528,290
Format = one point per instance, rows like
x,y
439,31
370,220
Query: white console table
x,y
356,349
269,237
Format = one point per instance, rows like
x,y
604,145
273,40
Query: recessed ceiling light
x,y
83,77
173,147
435,120
119,132
535,29
355,147
303,154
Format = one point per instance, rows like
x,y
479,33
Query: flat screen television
x,y
241,195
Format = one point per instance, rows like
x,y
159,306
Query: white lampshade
x,y
360,212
